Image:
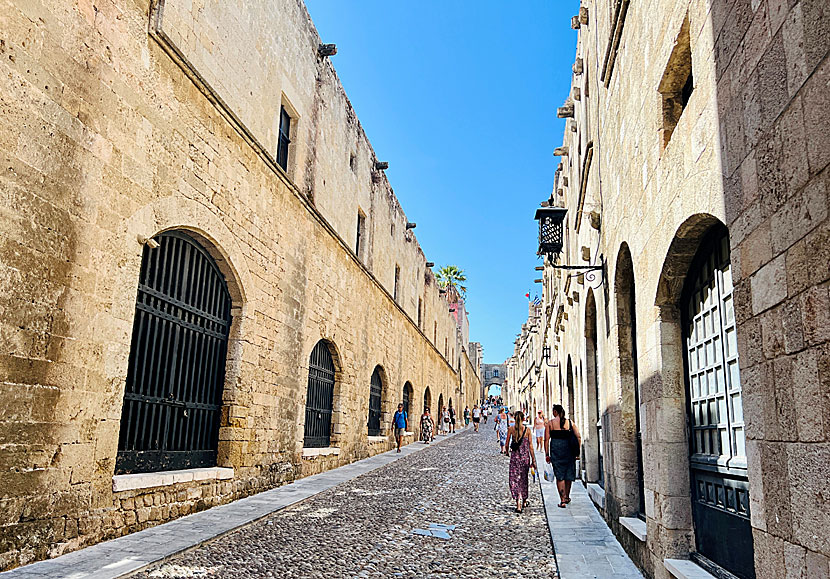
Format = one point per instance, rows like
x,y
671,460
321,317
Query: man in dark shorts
x,y
401,423
476,416
452,418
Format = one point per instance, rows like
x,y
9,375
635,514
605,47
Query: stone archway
x,y
626,425
593,435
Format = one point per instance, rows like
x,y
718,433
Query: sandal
x,y
562,505
567,501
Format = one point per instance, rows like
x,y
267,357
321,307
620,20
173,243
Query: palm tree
x,y
450,278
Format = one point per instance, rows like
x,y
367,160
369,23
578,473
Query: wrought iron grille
x,y
320,397
284,140
375,391
173,393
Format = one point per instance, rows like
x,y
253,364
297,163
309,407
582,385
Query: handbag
x,y
573,443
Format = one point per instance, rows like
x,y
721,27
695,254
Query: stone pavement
x,y
584,544
438,510
131,552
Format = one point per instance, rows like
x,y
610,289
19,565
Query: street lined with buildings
x,y
210,292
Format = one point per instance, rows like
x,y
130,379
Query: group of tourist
x,y
446,422
558,438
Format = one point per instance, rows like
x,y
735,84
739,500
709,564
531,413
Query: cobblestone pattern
x,y
363,528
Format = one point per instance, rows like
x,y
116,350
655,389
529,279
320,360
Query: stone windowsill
x,y
685,569
325,451
376,439
597,494
148,480
635,526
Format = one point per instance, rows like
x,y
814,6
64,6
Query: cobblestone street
x,y
364,527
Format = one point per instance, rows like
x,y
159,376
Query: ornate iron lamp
x,y
551,239
550,230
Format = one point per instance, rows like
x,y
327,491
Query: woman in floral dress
x,y
521,457
426,427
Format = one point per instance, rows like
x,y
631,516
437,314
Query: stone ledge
x,y
685,569
597,494
376,439
635,526
148,480
325,451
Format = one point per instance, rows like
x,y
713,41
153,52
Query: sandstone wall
x,y
109,133
748,151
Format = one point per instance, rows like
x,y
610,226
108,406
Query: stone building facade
x,y
187,191
692,349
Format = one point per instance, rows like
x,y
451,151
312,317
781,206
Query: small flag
x,y
537,301
527,295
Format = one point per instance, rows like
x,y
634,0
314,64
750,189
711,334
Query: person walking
x,y
520,451
445,420
427,427
485,412
401,423
452,418
539,430
501,430
466,416
476,417
562,443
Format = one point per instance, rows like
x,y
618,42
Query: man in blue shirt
x,y
401,423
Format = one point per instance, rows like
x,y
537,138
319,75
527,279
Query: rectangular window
x,y
361,234
284,139
420,311
677,84
435,333
397,280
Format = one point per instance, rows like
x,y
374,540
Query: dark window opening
x,y
397,280
677,84
284,139
361,232
686,91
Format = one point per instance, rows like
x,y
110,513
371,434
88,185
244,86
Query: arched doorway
x,y
407,400
176,372
570,388
428,401
593,447
631,424
375,397
439,413
718,467
319,397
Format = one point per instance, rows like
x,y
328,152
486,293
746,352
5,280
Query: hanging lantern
x,y
550,230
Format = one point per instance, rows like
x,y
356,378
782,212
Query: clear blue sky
x,y
460,97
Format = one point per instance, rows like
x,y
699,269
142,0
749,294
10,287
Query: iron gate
x,y
720,486
375,391
173,393
320,397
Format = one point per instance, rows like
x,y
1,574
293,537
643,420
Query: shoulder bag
x,y
573,442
